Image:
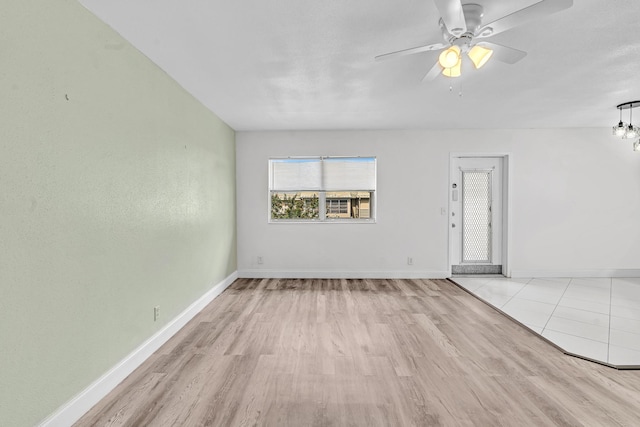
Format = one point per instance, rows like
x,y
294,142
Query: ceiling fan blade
x,y
452,16
432,73
537,10
504,54
411,51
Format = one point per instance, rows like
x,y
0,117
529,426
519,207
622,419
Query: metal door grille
x,y
476,216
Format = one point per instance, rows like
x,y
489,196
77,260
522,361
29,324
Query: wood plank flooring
x,y
363,353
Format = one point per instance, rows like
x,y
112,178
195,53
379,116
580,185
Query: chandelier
x,y
628,130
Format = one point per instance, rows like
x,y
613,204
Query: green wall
x,y
117,194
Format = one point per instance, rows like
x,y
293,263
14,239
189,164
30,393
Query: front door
x,y
476,215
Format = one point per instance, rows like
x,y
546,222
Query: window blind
x,y
349,173
323,174
296,174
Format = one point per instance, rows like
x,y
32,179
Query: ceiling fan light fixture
x,y
460,24
450,57
454,71
636,145
479,55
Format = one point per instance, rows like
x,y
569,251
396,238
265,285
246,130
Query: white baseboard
x,y
319,274
71,412
309,274
576,273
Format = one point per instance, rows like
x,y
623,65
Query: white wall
x,y
574,204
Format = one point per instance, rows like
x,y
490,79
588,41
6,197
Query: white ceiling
x,y
309,64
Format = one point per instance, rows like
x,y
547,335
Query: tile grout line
x,y
514,295
579,336
556,305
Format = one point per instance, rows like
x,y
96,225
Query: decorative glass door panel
x,y
476,216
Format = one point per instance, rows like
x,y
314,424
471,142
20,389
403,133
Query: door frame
x,y
506,205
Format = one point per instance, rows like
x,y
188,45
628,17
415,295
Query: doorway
x,y
477,206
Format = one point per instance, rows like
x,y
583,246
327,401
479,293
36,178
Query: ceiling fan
x,y
463,32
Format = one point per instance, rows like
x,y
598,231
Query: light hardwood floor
x,y
363,353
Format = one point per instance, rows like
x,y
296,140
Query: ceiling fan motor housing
x,y
463,42
473,14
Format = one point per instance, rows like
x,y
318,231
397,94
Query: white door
x,y
476,215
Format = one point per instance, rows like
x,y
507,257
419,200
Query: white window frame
x,y
322,207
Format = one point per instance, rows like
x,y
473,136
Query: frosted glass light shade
x,y
620,130
453,71
636,146
479,55
449,57
632,132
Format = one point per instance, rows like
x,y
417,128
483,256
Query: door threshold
x,y
476,269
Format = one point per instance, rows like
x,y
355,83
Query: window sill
x,y
326,221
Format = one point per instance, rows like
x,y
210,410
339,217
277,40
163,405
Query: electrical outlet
x,y
156,313
409,261
260,260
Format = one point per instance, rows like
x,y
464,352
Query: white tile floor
x,y
596,318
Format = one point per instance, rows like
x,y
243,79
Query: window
x,y
337,206
322,189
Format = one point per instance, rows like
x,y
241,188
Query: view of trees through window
x,y
295,206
